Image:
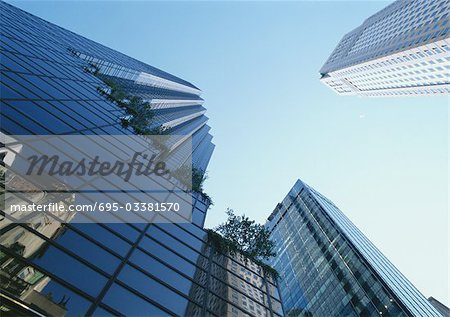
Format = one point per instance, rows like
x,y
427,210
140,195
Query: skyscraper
x,y
402,50
55,82
238,287
444,310
329,268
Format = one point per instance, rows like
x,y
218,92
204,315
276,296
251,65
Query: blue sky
x,y
384,162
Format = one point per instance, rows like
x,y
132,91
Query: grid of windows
x,y
236,287
329,268
402,50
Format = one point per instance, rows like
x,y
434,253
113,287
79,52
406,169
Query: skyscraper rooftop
x,y
400,50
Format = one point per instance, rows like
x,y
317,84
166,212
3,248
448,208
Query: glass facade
x,y
47,88
444,310
51,265
399,51
329,268
54,269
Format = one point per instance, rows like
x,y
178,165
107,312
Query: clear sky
x,y
384,162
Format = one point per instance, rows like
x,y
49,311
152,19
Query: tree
x,y
191,177
247,236
140,114
198,177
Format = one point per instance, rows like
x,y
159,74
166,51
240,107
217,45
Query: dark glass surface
x,y
161,271
153,290
173,243
181,234
88,251
104,237
100,312
167,255
37,290
130,304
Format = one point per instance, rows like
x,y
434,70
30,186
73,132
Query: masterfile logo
x,y
94,167
105,178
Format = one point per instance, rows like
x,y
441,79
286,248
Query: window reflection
x,y
28,292
130,304
160,271
152,289
33,195
234,290
25,243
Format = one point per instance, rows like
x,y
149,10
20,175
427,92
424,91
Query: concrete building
x,y
402,50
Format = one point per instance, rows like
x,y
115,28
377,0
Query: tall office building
x,y
444,310
237,285
402,50
56,82
329,268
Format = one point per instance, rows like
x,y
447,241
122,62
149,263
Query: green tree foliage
x,y
183,174
222,246
139,113
140,116
193,178
240,235
198,177
247,236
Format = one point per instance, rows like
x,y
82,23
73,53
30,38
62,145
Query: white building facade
x,y
403,50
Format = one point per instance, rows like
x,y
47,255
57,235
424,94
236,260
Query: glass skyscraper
x,y
402,50
53,83
329,268
444,310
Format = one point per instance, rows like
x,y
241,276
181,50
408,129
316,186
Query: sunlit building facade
x,y
329,268
237,286
402,50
